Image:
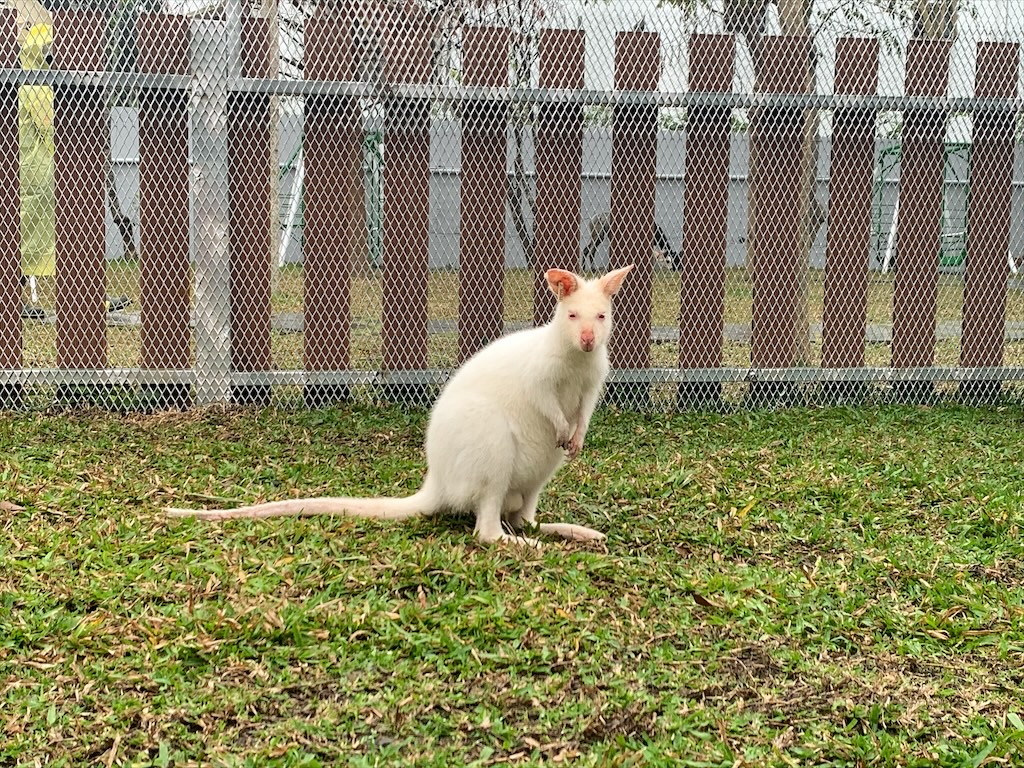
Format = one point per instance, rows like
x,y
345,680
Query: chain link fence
x,y
308,202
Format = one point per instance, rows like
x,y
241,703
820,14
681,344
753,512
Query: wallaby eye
x,y
572,315
601,316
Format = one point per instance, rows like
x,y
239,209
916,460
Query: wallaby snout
x,y
587,340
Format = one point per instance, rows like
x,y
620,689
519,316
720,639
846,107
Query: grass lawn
x,y
807,587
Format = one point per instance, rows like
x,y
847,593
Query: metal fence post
x,y
211,256
11,337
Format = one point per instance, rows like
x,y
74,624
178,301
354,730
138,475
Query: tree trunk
x,y
122,221
936,19
520,196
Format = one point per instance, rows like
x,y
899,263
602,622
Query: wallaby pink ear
x,y
562,283
611,282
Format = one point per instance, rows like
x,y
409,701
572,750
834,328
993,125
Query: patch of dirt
x,y
634,721
750,664
1004,573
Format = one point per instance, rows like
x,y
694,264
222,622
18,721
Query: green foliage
x,y
808,587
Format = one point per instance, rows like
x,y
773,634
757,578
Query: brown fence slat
x,y
634,155
778,320
406,38
919,229
559,163
483,192
705,211
10,228
333,238
164,269
988,223
250,165
79,180
848,240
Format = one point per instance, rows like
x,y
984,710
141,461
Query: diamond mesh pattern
x,y
216,201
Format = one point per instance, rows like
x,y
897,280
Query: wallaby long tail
x,y
382,508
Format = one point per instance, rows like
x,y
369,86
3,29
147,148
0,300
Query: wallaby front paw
x,y
572,445
564,437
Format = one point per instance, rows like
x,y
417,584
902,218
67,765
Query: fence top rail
x,y
583,97
438,376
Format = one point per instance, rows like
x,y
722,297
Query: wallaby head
x,y
583,314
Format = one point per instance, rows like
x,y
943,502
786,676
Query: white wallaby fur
x,y
502,425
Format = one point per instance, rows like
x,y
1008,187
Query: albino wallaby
x,y
502,425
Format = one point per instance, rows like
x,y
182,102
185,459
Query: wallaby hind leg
x,y
513,503
525,516
489,528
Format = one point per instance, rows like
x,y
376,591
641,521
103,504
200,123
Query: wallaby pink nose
x,y
587,339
